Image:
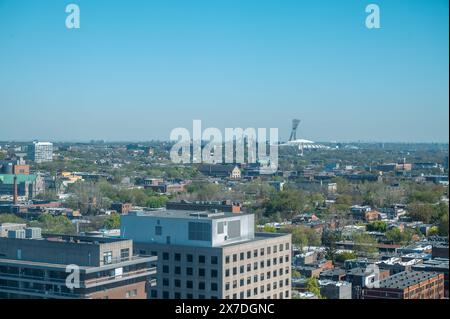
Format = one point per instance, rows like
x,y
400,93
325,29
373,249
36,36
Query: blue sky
x,y
137,69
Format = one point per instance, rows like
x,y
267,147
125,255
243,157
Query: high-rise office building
x,y
35,266
40,152
211,254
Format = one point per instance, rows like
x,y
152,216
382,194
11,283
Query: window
x,y
234,284
227,272
286,258
241,269
249,280
177,283
220,227
165,269
189,271
268,262
227,286
189,296
249,293
274,249
255,291
249,267
234,270
165,295
165,282
275,273
107,257
177,270
249,254
287,246
201,285
227,259
234,257
189,258
214,260
201,259
125,254
268,250
165,256
261,276
262,263
255,265
281,247
280,260
154,293
189,284
255,278
177,257
177,295
199,231
255,253
158,230
201,272
261,252
214,286
214,273
241,282
201,296
242,256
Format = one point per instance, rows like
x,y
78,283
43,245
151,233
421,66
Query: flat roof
x,y
186,214
406,279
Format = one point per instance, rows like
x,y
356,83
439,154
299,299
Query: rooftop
x,y
406,279
184,214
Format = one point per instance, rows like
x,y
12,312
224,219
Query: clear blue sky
x,y
137,69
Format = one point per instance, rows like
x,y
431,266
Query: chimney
x,y
15,190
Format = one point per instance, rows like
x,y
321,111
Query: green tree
x,y
345,255
113,221
364,244
377,225
54,224
10,218
312,285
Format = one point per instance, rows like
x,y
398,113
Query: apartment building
x,y
40,152
211,255
37,267
409,285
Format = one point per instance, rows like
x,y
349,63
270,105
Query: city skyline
x,y
135,72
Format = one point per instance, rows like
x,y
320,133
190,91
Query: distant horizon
x,y
93,141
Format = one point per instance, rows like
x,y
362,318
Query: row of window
x,y
178,295
189,271
261,264
255,292
189,284
214,260
256,253
242,282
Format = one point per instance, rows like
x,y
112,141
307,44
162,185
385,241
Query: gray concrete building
x,y
35,266
209,255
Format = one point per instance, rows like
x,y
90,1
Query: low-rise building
x,y
408,285
38,267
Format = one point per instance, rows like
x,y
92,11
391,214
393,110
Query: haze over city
x,y
136,70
